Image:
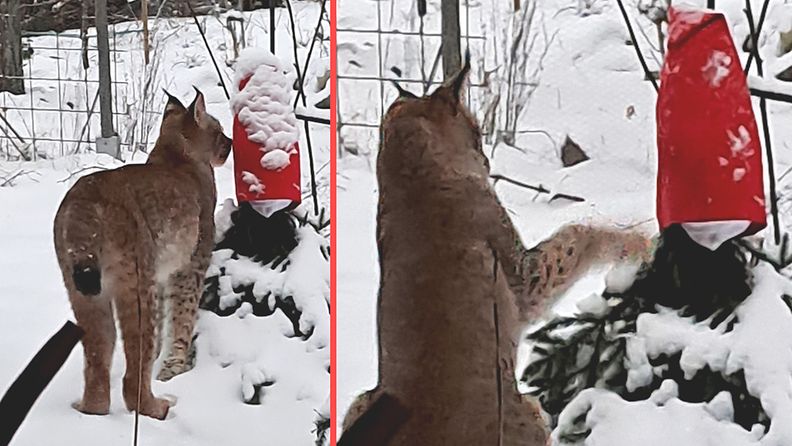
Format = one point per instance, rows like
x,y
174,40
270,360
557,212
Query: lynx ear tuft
x,y
173,103
198,106
452,88
403,93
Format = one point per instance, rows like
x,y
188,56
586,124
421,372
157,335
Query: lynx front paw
x,y
172,367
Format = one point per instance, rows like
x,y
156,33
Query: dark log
x,y
378,424
19,398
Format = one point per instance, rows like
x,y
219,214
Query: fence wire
x,y
58,114
47,121
390,44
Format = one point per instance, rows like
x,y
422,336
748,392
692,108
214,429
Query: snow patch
x,y
277,159
254,182
739,143
264,104
717,68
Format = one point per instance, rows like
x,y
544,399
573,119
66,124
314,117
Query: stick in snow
x,y
540,189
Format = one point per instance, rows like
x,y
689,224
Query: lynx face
x,y
207,141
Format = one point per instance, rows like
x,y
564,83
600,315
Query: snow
x,y
717,68
277,159
620,277
264,105
655,422
593,89
232,351
254,182
740,142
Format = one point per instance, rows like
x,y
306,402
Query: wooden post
x,y
452,57
11,72
105,83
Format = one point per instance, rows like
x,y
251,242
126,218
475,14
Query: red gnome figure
x,y
266,159
266,152
709,163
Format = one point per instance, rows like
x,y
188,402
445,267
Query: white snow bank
x,y
661,421
264,104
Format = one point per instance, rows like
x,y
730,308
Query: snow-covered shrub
x,y
709,338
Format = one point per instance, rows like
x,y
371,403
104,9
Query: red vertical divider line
x,y
333,223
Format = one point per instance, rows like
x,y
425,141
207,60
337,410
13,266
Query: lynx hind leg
x,y
138,331
94,314
182,295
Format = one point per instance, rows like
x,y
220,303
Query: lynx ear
x,y
198,106
173,103
403,93
452,88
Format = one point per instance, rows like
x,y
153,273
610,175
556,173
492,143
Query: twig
x,y
635,45
301,78
76,172
755,35
7,181
540,189
765,124
313,119
772,95
87,123
13,130
301,91
208,49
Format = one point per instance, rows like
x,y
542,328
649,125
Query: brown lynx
x,y
456,281
140,237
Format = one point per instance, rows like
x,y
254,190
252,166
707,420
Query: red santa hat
x,y
265,143
710,176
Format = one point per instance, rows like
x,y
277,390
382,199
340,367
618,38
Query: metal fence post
x,y
452,58
109,142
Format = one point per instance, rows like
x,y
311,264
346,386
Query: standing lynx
x,y
137,241
456,282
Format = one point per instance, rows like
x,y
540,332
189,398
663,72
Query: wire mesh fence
x,y
58,113
391,43
398,41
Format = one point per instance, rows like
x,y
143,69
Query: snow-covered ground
x,y
233,352
591,89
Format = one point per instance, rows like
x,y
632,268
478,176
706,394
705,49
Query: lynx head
x,y
205,140
439,123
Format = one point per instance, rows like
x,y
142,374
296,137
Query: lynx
x,y
136,241
456,281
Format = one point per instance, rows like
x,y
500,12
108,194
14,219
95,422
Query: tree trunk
x,y
11,73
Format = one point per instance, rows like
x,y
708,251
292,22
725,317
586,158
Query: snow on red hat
x,y
709,159
265,143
